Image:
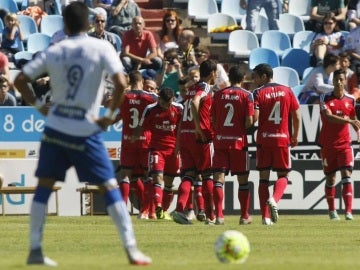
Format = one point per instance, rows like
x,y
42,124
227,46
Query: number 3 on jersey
x,y
275,115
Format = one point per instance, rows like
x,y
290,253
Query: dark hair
x,y
207,67
76,17
330,59
338,72
135,76
344,55
262,69
4,79
331,16
166,93
236,75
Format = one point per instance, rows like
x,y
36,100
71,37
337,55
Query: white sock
x,y
37,223
122,220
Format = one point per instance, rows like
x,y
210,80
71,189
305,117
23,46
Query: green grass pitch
x,y
295,242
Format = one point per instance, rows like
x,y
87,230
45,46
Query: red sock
x,y
168,196
208,186
244,199
330,196
189,203
140,190
148,196
184,191
279,188
125,189
263,197
158,195
347,195
198,192
218,199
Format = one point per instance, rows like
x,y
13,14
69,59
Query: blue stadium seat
x,y
38,42
286,76
297,59
9,5
303,39
200,10
263,55
275,40
28,26
50,24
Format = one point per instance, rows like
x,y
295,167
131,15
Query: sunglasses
x,y
170,20
100,21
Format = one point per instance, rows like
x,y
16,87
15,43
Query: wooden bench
x,y
26,190
90,190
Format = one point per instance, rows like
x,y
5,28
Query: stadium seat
x,y
290,24
263,55
217,21
286,76
22,56
300,8
50,24
306,74
232,7
9,5
297,89
297,59
37,42
200,10
262,24
303,39
28,26
275,40
1,26
242,42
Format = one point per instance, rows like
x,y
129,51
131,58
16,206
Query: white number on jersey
x,y
135,118
275,114
74,77
229,115
187,116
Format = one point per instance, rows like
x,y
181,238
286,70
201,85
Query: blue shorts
x,y
59,151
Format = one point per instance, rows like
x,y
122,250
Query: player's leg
x,y
124,183
218,191
346,161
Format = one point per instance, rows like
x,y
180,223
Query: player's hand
x,y
199,135
104,122
293,141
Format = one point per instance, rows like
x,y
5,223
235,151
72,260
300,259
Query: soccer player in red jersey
x,y
274,105
232,113
337,112
196,147
134,154
162,120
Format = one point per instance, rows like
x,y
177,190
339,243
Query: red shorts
x,y
135,159
235,160
275,158
196,156
164,162
337,159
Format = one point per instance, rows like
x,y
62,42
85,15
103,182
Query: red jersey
x,y
131,110
187,126
333,135
230,107
162,124
274,102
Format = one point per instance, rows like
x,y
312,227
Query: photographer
x,y
171,71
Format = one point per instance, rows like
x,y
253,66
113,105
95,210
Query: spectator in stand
x,y
168,36
272,9
319,81
122,14
171,72
337,115
162,120
105,4
151,86
318,10
354,83
186,53
4,66
352,46
6,99
329,40
202,53
135,46
134,154
275,105
345,63
11,35
100,19
232,114
353,14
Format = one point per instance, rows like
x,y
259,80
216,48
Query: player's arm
x,y
195,105
332,118
119,82
249,121
22,84
295,115
256,115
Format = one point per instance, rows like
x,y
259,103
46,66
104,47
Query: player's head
x,y
236,75
262,74
76,18
208,71
166,97
339,79
135,77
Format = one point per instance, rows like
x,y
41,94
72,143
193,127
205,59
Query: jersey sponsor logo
x,y
70,112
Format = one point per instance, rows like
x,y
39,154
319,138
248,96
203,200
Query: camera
x,y
171,61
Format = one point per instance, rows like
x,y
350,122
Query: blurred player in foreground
x,y
72,132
